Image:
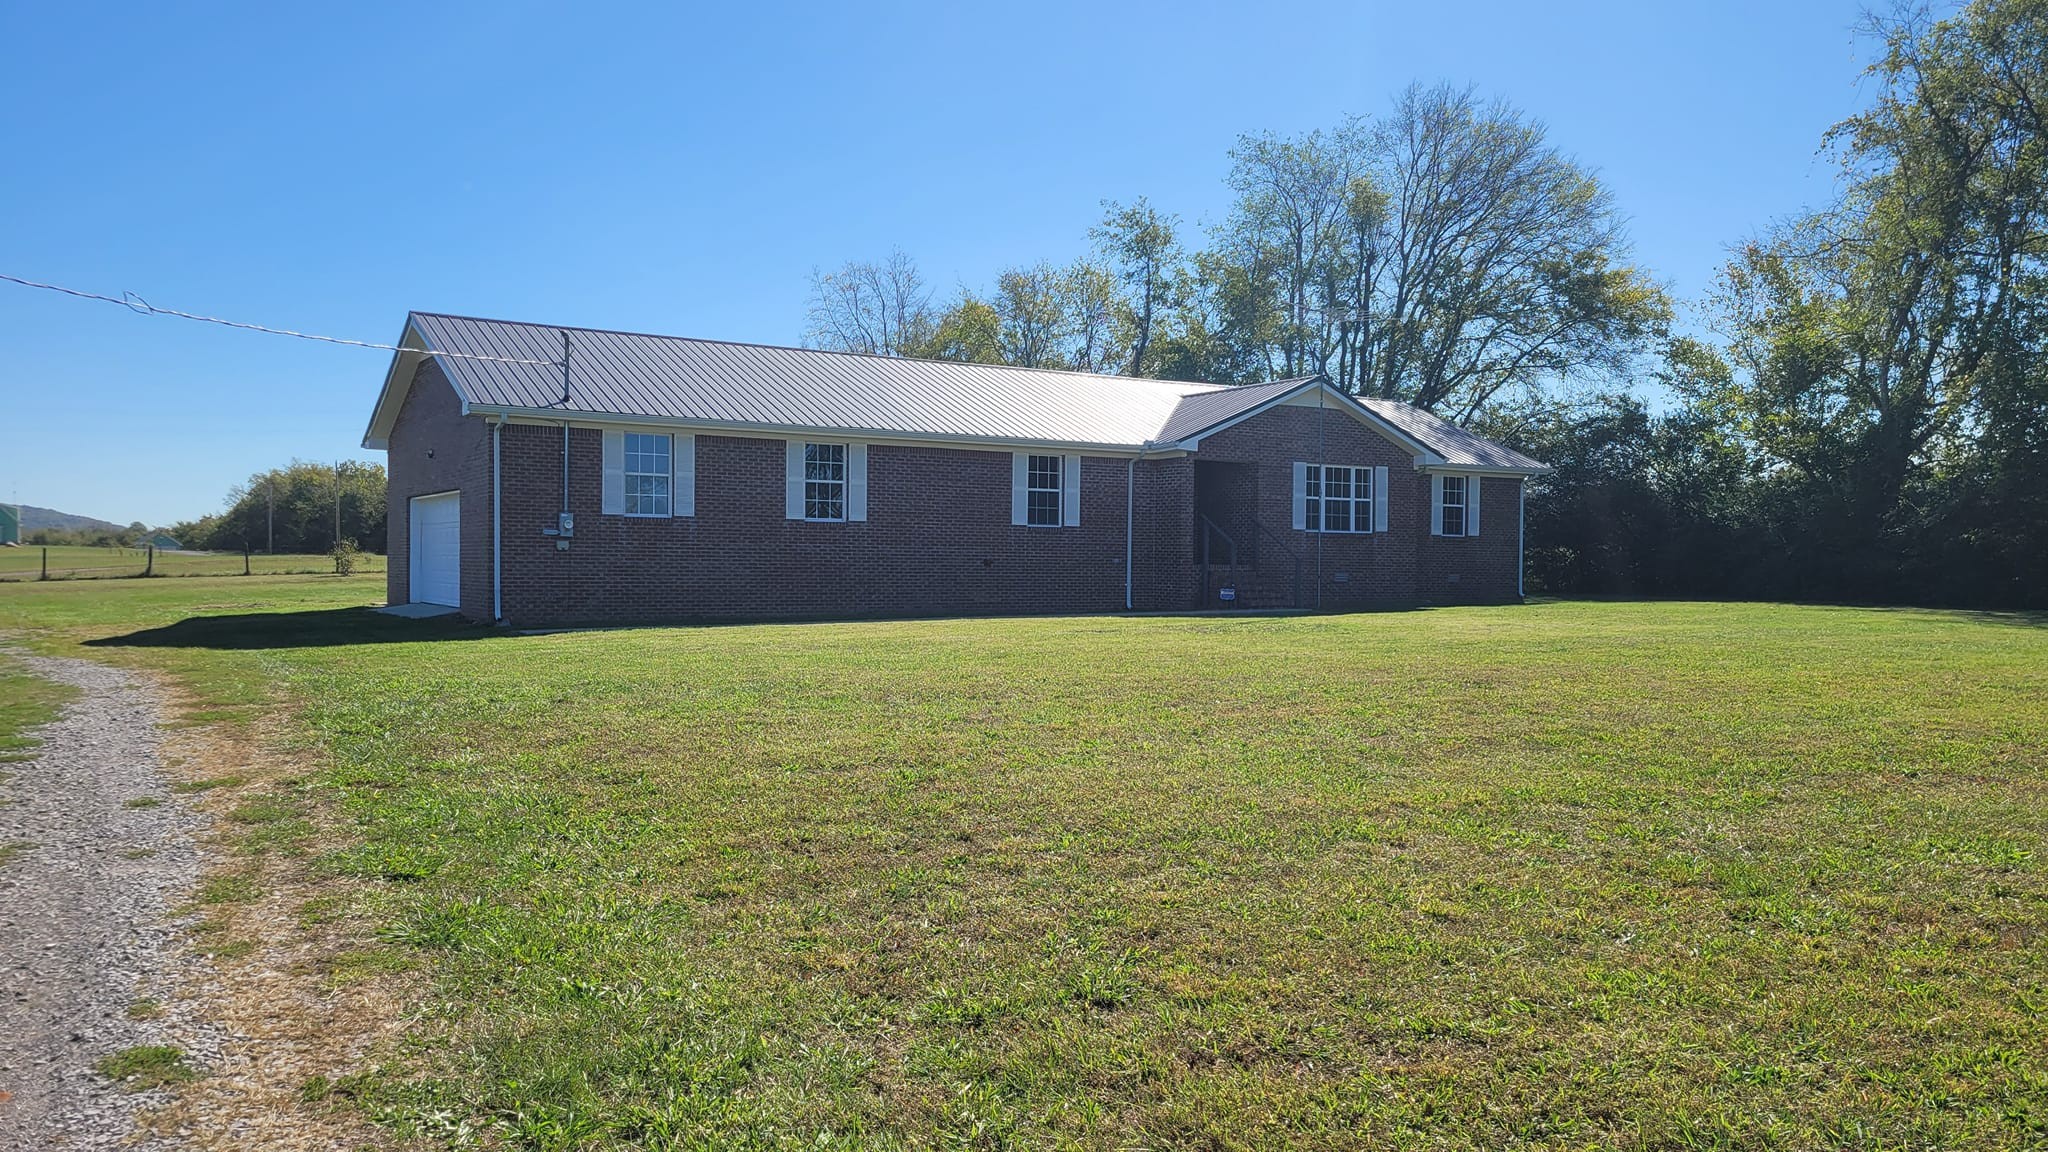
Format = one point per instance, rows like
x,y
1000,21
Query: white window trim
x,y
626,475
845,481
1374,501
854,485
1467,505
1069,489
682,474
1058,489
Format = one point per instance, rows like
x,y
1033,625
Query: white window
x,y
1045,482
1339,498
1453,507
649,459
824,481
1045,491
649,474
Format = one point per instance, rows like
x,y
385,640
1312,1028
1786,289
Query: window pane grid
x,y
824,481
647,469
1045,483
1453,506
1339,498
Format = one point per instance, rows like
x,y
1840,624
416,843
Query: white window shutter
x,y
1300,495
1436,504
684,486
1472,486
793,501
613,502
1020,481
1379,499
856,481
1070,491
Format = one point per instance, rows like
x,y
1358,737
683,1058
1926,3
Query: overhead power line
x,y
135,303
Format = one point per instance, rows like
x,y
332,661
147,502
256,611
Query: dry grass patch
x,y
262,976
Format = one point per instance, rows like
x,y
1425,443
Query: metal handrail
x,y
1209,528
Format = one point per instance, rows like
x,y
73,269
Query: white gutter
x,y
497,533
552,416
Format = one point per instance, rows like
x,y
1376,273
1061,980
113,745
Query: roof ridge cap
x,y
1112,376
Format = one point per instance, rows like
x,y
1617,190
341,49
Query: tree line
x,y
135,535
1861,413
293,510
1446,254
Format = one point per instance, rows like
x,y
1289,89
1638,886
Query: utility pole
x,y
337,503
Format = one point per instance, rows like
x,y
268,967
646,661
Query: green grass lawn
x,y
1563,875
25,701
69,562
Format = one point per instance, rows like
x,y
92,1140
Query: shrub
x,y
345,553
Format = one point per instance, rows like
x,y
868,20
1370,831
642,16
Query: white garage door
x,y
437,549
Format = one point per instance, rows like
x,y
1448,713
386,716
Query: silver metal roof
x,y
617,373
1458,447
716,383
1205,410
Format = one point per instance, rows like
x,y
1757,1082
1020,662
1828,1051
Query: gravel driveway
x,y
105,854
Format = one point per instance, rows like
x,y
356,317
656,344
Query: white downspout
x,y
1521,535
497,524
1130,505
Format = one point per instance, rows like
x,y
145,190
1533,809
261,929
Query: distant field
x,y
78,563
1569,875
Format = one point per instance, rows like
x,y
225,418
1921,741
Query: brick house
x,y
543,475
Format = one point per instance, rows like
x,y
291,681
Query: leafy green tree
x,y
1088,305
971,330
1031,317
1224,325
1290,221
1886,351
301,498
1447,255
1140,244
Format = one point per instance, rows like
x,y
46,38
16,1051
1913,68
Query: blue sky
x,y
682,169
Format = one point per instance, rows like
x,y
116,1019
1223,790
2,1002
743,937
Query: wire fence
x,y
66,562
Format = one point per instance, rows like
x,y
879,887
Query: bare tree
x,y
880,308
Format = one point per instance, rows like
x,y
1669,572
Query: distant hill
x,y
34,518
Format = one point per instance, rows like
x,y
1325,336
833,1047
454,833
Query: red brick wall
x,y
1402,565
434,448
938,538
1476,569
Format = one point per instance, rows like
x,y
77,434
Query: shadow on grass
x,y
2010,617
2017,618
327,628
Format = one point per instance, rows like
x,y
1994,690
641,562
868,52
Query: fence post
x,y
46,564
149,562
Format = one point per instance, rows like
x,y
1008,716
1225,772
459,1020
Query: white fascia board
x,y
1482,470
397,382
556,418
